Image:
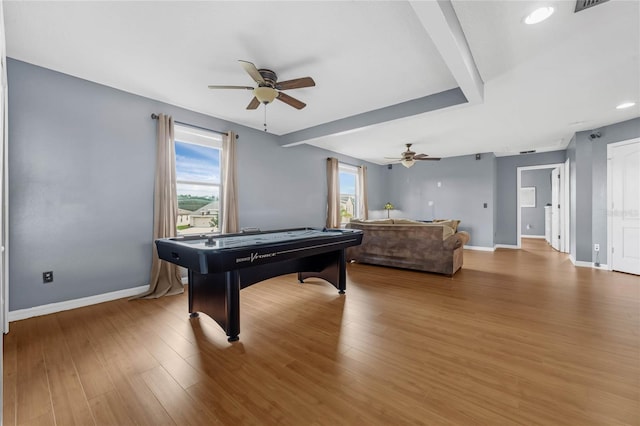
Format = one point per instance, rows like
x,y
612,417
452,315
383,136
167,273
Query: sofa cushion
x,y
406,222
373,221
449,222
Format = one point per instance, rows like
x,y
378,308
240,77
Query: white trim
x,y
519,209
566,201
610,148
197,136
4,185
583,264
51,308
479,248
542,237
507,246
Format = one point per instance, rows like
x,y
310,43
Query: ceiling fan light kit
x,y
265,94
408,162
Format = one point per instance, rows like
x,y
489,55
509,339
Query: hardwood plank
x,y
69,402
10,381
515,337
33,395
109,409
93,376
180,406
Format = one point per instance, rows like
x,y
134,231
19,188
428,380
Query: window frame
x,y
195,136
352,170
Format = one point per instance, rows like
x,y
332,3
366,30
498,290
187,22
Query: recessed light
x,y
625,105
538,15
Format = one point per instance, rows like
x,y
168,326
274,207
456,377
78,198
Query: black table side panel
x,y
218,294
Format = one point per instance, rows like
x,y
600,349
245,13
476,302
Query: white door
x,y
625,208
555,208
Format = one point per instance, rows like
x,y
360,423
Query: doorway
x,y
556,222
623,206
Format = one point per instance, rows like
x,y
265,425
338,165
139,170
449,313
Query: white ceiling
x,y
541,83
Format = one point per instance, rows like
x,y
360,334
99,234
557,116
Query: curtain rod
x,y
156,116
347,164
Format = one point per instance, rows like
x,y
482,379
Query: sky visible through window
x,y
197,163
347,183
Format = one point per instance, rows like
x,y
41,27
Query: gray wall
x,y
466,185
589,212
507,230
534,216
81,172
81,166
573,195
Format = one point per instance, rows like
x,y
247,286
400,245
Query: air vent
x,y
586,4
531,151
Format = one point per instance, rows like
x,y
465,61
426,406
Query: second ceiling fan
x,y
269,88
408,157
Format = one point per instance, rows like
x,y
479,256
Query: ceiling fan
x,y
269,88
409,157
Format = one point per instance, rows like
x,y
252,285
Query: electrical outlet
x,y
596,247
47,277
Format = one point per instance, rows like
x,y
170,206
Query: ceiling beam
x,y
440,21
413,107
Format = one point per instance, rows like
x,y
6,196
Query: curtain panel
x,y
230,223
333,193
363,203
165,277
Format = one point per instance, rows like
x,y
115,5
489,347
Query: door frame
x,y
610,148
564,200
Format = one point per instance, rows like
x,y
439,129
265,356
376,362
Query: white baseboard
x,y
506,246
51,308
479,248
541,237
583,264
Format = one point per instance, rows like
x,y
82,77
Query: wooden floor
x,y
515,337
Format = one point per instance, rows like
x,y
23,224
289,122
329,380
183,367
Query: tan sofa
x,y
402,243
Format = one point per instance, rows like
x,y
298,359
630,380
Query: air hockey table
x,y
220,265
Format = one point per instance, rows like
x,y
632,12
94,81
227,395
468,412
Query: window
x,y
198,180
348,176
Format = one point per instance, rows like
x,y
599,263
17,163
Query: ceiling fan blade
x,y
291,101
297,83
252,71
230,87
255,103
427,158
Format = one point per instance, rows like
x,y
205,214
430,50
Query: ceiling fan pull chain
x,y
265,117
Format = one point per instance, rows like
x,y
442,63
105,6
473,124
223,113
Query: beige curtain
x,y
165,276
333,194
363,203
229,185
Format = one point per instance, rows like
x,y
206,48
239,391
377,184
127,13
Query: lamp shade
x,y
265,95
408,163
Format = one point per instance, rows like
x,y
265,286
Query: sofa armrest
x,y
458,239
